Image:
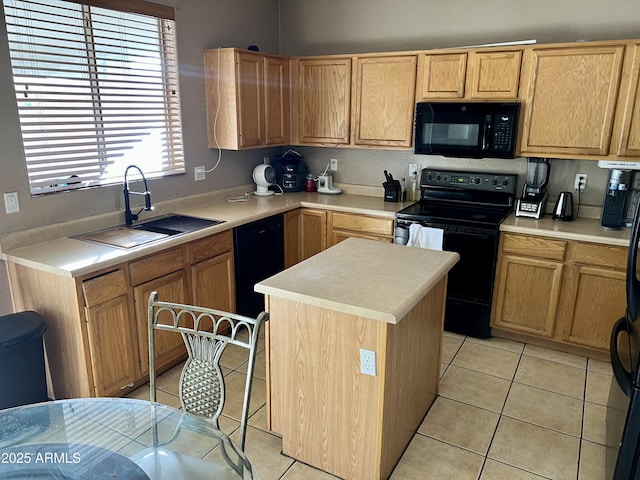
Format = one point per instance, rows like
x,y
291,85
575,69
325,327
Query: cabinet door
x,y
169,345
493,75
213,283
313,234
323,100
112,353
249,80
384,100
527,295
339,235
345,225
593,299
629,105
276,100
441,76
292,232
570,95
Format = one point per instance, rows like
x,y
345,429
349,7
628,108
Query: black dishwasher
x,y
258,253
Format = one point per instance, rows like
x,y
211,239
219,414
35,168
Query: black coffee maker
x,y
615,200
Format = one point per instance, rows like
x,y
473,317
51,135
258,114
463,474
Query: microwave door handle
x,y
487,133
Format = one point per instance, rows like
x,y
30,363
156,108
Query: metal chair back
x,y
206,332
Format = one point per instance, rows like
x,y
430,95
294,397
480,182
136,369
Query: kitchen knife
x,y
395,184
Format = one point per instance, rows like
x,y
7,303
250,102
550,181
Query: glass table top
x,y
96,438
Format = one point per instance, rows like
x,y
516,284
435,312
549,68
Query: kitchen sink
x,y
175,224
150,231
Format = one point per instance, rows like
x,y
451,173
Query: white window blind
x,y
97,90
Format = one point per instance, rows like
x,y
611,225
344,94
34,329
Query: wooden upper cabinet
x,y
627,143
493,75
276,100
384,100
570,95
321,100
441,76
247,99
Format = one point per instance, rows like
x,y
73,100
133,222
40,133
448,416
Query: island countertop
x,y
367,278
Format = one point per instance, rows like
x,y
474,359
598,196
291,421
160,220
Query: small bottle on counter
x,y
414,193
310,183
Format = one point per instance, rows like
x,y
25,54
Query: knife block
x,y
392,191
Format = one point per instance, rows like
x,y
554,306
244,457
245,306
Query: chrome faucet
x,y
130,217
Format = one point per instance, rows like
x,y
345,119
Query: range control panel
x,y
474,181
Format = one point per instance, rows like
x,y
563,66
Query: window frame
x,y
43,180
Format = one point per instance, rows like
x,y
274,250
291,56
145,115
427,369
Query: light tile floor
x,y
506,411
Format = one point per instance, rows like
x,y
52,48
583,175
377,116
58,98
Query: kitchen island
x,y
385,299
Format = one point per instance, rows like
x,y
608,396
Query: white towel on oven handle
x,y
425,237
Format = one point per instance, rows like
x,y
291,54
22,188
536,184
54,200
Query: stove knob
x,y
438,178
478,180
505,182
495,181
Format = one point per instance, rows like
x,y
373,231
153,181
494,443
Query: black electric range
x,y
469,208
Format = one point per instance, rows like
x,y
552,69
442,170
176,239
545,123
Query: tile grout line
x,y
486,456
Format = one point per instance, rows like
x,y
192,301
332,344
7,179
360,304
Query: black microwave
x,y
466,129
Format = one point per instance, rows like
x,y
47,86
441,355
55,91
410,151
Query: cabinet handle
x,y
126,386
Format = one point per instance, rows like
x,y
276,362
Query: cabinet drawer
x,y
105,287
210,247
360,223
608,256
534,247
156,265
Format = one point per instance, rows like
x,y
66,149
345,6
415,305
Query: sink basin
x,y
175,224
149,231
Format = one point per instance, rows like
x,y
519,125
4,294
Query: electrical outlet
x,y
413,168
200,174
580,181
334,165
11,204
368,362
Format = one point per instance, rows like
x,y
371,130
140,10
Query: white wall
x,y
311,27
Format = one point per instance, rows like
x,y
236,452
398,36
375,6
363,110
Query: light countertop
x,y
580,229
72,257
51,248
367,278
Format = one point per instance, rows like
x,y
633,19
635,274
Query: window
x,y
96,85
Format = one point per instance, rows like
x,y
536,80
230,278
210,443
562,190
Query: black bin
x,y
22,371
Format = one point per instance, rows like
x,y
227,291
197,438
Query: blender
x,y
534,193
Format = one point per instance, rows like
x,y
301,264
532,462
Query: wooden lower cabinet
x,y
313,232
528,294
110,333
213,283
96,337
309,231
594,298
565,291
292,231
169,346
344,225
